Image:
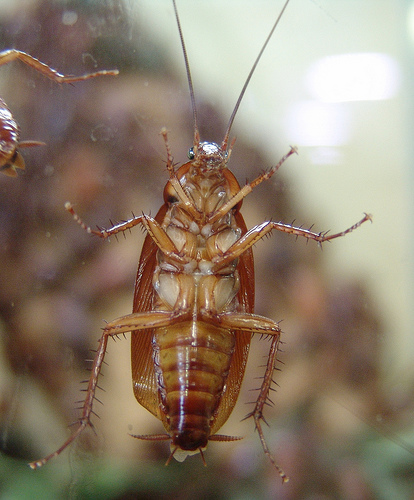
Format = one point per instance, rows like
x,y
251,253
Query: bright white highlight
x,y
354,77
312,123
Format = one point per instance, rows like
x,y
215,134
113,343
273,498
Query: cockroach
x,y
10,157
193,312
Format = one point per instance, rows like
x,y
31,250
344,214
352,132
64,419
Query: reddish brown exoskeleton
x,y
10,157
193,313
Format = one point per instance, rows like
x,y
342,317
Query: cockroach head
x,y
213,156
208,156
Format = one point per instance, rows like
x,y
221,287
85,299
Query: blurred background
x,y
336,81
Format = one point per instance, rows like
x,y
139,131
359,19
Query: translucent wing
x,y
231,391
143,376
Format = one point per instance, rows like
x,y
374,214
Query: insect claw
x,y
171,455
202,457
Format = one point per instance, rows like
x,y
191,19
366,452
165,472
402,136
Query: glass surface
x,y
335,81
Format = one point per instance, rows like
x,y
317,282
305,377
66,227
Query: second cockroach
x,y
193,313
10,157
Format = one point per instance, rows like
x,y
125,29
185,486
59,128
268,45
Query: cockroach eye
x,y
172,199
191,154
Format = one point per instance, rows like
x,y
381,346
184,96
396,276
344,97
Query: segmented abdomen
x,y
192,361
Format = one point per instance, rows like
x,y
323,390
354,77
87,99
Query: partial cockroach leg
x,y
138,321
257,412
13,54
105,233
248,188
258,232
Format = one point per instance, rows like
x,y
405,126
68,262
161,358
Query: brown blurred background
x,y
336,405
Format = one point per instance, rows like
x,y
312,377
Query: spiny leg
x,y
147,221
256,233
157,233
137,321
105,233
84,420
262,399
256,324
248,188
13,54
189,205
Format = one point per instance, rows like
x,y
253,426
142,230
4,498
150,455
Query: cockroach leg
x,y
259,324
8,165
13,54
10,158
162,240
137,321
248,322
170,159
84,421
105,233
144,320
157,233
319,237
248,188
152,437
256,233
182,195
202,457
257,412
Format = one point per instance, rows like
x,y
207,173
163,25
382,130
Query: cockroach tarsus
x,y
10,157
193,312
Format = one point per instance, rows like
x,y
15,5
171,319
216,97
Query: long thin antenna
x,y
246,83
189,79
